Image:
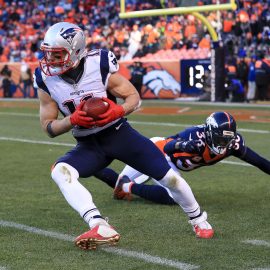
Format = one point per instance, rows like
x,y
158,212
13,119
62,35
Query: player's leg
x,y
184,196
108,176
154,193
142,154
66,173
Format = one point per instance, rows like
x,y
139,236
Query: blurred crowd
x,y
245,32
23,24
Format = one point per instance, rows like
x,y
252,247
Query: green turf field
x,y
37,226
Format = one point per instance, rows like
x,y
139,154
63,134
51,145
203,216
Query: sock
x,y
153,193
90,214
195,216
127,186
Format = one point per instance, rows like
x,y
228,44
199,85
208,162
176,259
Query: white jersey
x,y
98,66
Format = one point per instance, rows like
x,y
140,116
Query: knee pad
x,y
63,173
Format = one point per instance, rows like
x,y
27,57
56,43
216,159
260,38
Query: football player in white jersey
x,y
67,76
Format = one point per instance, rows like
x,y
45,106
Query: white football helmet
x,y
63,48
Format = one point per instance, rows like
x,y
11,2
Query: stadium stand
x,y
245,32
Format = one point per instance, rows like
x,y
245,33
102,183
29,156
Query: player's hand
x,y
114,112
80,118
191,146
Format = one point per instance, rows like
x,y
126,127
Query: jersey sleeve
x,y
108,64
239,148
38,81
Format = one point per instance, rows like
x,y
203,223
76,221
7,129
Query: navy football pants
x,y
95,152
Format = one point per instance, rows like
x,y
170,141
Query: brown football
x,y
94,107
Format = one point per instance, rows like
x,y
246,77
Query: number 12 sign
x,y
192,72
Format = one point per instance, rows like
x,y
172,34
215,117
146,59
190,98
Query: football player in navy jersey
x,y
197,146
67,76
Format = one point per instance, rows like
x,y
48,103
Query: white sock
x,y
78,197
126,187
181,192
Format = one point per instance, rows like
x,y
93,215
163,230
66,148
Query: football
x,y
94,107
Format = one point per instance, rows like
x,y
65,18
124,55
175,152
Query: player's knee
x,y
171,180
63,173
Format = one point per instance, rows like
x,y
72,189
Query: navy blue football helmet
x,y
220,131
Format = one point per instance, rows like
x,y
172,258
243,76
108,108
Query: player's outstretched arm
x,y
49,114
255,159
177,146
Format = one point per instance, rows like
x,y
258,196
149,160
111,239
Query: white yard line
x,y
35,141
147,123
117,251
261,268
257,242
236,163
183,110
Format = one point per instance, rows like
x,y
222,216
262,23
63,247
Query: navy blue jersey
x,y
204,157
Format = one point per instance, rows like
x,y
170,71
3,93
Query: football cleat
x,y
201,227
119,193
100,235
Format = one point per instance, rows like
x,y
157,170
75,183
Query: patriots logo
x,y
69,34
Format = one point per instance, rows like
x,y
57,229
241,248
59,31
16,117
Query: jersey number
x,y
70,104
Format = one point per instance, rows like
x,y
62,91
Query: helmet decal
x,y
69,34
211,121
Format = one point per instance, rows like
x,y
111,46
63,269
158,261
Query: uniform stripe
x,y
104,65
228,119
40,82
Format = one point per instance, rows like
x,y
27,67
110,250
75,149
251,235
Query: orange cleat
x,y
100,235
118,192
201,227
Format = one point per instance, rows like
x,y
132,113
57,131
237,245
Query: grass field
x,y
37,226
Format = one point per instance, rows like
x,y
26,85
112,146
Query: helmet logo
x,y
70,33
211,121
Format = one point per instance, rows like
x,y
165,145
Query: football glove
x,y
114,112
182,146
80,118
188,146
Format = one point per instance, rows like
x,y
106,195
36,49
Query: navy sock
x,y
152,193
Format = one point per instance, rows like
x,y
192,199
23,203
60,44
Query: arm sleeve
x,y
255,159
169,147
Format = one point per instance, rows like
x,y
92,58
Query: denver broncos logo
x,y
70,33
211,121
162,84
